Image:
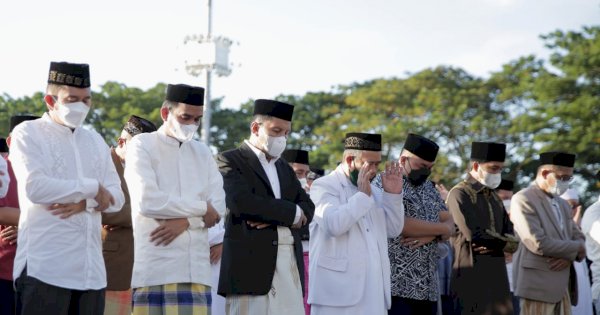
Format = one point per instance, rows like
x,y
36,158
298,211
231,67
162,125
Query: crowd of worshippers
x,y
159,225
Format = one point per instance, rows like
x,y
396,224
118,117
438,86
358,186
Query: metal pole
x,y
207,106
207,111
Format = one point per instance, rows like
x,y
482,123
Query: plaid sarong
x,y
172,299
117,303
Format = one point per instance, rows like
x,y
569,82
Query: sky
x,y
280,46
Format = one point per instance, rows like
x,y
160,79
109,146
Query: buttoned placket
x,y
89,219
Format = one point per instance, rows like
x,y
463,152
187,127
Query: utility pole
x,y
208,53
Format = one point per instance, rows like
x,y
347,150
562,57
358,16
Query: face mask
x,y
72,114
274,145
560,187
490,180
418,177
354,176
121,150
303,182
183,133
506,204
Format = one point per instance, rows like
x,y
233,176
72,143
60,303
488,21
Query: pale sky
x,y
285,46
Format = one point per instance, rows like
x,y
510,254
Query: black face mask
x,y
418,177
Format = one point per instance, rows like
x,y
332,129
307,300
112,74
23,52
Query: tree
x,y
9,106
556,107
115,103
230,126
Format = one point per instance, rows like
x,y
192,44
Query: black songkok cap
x,y
296,156
362,141
17,119
506,184
318,171
71,74
557,158
3,146
488,151
136,125
421,147
274,108
187,94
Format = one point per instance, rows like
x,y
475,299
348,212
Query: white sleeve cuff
x,y
195,223
90,205
298,214
89,187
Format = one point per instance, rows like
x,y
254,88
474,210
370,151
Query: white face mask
x,y
72,114
183,133
303,182
560,186
273,145
122,151
490,180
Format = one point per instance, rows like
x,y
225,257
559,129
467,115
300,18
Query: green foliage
x,y
531,104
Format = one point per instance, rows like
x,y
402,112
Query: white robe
x,y
168,179
55,164
584,290
349,265
215,237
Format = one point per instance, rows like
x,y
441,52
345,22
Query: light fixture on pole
x,y
207,53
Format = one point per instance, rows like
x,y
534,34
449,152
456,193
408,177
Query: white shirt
x,y
57,165
590,225
557,212
166,180
271,171
4,179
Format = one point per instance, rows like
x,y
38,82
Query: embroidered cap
x,y
136,125
362,141
71,74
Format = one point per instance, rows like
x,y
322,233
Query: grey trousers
x,y
36,297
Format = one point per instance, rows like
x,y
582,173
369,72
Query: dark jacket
x,y
117,245
249,255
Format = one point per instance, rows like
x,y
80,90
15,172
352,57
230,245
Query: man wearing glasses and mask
x,y
479,281
414,254
550,240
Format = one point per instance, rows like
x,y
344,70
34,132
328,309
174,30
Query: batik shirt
x,y
414,271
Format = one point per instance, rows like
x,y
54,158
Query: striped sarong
x,y
117,303
172,299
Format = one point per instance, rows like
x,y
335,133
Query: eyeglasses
x,y
564,178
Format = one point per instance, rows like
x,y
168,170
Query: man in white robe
x,y
349,264
171,176
66,178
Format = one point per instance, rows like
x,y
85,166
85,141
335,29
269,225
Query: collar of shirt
x,y
162,135
344,180
58,127
477,186
260,154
